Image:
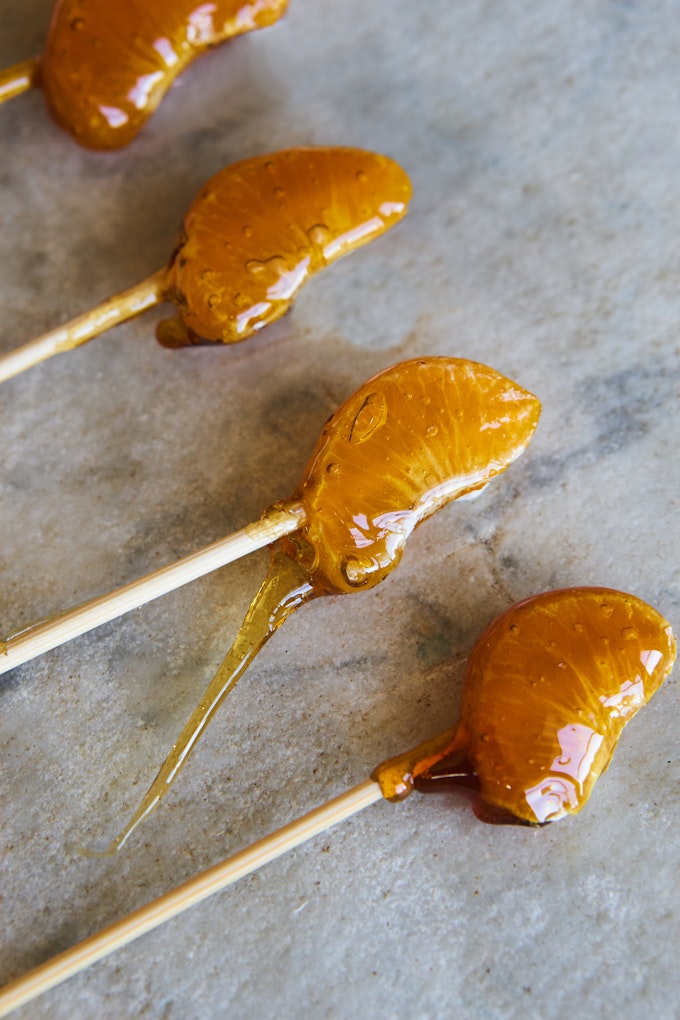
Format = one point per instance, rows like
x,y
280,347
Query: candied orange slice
x,y
108,63
415,437
547,691
256,232
259,229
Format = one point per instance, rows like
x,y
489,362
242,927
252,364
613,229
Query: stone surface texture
x,y
543,145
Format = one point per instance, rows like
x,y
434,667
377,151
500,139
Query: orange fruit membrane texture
x,y
261,227
409,440
108,63
547,691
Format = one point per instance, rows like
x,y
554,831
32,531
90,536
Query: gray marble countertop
x,y
543,145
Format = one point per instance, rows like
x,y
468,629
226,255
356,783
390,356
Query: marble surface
x,y
543,145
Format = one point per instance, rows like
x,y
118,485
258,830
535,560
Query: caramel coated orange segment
x,y
108,63
411,439
258,230
547,692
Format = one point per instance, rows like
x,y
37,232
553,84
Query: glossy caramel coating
x,y
260,228
547,691
414,437
108,63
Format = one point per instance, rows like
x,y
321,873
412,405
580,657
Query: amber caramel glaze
x,y
414,437
108,63
260,228
547,691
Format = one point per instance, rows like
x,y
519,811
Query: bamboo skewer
x,y
19,78
55,631
120,933
112,312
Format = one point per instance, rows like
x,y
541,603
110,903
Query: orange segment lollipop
x,y
107,65
394,468
429,431
547,691
394,778
258,230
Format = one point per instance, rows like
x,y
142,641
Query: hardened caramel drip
x,y
547,691
260,228
412,438
108,63
286,586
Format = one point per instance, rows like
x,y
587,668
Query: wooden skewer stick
x,y
111,312
56,630
165,907
19,78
